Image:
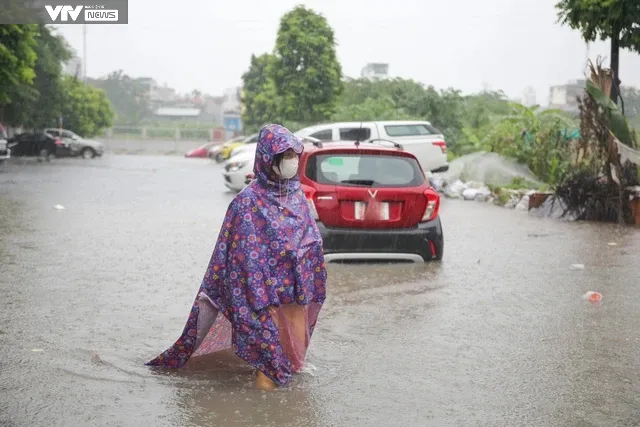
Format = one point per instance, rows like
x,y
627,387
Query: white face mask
x,y
288,168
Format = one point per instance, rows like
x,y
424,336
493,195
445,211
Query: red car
x,y
200,152
371,202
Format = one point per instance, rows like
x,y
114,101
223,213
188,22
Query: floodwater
x,y
498,334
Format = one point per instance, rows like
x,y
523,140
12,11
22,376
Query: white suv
x,y
419,138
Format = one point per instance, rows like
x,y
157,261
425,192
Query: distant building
x,y
163,94
157,95
177,113
148,82
375,71
565,97
232,99
529,97
212,111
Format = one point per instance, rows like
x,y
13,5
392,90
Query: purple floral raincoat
x,y
268,259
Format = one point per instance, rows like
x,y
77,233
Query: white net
x,y
488,168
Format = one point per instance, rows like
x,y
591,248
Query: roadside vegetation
x,y
35,93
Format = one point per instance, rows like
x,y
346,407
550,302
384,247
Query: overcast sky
x,y
466,44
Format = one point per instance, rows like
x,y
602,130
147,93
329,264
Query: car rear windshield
x,y
368,170
411,130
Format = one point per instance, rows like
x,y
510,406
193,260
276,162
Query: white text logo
x,y
100,15
64,12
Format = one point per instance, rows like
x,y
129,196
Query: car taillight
x,y
442,145
433,205
308,194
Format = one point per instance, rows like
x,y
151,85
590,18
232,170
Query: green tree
x,y
306,70
478,115
85,110
17,59
371,109
260,98
535,137
616,20
128,96
408,95
39,105
481,108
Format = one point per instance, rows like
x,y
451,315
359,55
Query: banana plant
x,y
618,125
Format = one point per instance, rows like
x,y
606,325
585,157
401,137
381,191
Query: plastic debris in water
x,y
593,297
612,244
37,350
577,266
58,207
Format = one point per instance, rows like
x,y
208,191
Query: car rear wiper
x,y
364,182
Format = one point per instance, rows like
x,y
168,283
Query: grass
x,y
517,185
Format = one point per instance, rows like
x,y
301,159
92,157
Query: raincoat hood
x,y
273,140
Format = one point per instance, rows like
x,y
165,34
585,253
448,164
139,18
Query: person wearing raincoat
x,y
265,284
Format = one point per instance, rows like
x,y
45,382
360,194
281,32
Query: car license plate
x,y
384,211
361,209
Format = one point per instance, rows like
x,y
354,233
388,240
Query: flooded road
x,y
496,335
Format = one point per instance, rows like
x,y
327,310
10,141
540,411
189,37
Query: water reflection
x,y
410,344
218,389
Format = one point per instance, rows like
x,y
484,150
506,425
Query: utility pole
x,y
586,62
84,54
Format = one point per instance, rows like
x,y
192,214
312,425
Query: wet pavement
x,y
496,335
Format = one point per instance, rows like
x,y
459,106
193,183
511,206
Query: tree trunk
x,y
615,64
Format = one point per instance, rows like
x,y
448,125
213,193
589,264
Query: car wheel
x,y
45,155
88,153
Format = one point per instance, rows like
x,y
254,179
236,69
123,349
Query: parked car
x,y
249,146
241,163
200,152
417,137
215,150
77,145
236,168
227,147
371,202
5,152
37,144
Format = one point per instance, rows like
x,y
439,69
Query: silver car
x,y
78,146
5,153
